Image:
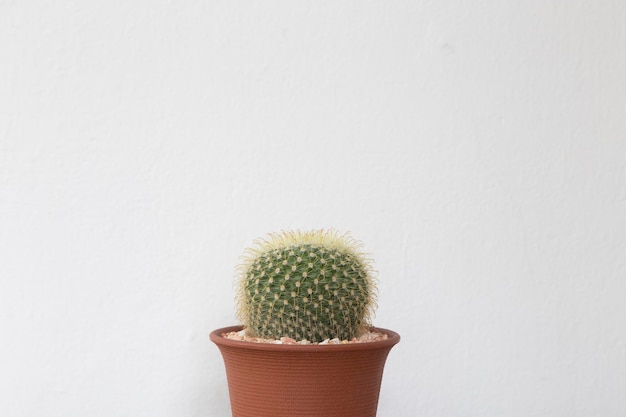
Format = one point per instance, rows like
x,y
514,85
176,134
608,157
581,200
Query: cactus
x,y
306,285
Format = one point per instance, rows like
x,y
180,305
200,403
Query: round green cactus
x,y
306,285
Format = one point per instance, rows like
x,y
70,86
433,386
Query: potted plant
x,y
306,300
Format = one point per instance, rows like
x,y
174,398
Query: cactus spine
x,y
306,285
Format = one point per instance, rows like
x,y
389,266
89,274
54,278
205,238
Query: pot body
x,y
272,380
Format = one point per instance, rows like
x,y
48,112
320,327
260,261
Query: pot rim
x,y
217,338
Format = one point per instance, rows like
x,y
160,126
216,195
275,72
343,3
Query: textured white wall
x,y
478,149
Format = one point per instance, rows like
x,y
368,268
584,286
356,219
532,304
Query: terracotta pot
x,y
268,380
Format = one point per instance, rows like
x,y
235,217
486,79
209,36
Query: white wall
x,y
478,149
